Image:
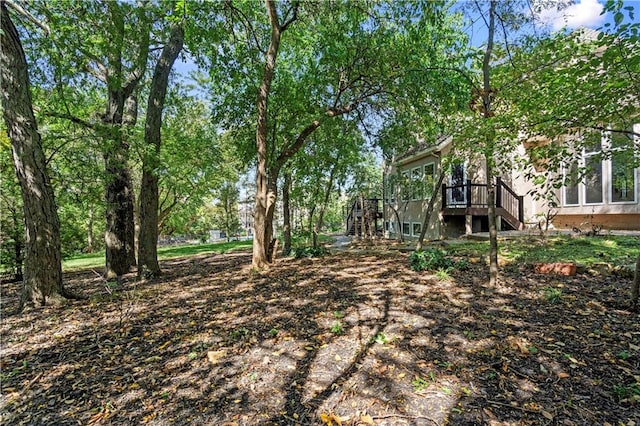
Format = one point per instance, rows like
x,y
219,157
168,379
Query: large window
x,y
593,169
406,228
416,184
604,172
571,189
623,182
416,229
390,188
428,180
405,186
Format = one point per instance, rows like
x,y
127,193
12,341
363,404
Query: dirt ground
x,y
355,338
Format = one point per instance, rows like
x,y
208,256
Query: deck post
x,y
444,196
468,192
498,191
521,208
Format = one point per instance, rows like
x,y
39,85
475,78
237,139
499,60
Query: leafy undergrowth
x,y
354,336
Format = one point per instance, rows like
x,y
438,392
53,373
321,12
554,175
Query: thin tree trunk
x,y
148,266
42,264
90,231
362,213
493,229
635,289
430,208
18,247
286,214
327,196
487,109
399,231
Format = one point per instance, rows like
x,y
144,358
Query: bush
x,y
434,260
301,252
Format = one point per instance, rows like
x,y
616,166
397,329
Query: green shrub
x,y
552,295
434,259
301,252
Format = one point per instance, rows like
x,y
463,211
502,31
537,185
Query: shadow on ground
x,y
356,336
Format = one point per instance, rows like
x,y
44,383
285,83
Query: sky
x,y
584,13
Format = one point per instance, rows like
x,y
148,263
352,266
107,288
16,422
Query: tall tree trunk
x,y
265,196
430,207
487,109
129,120
120,227
148,266
286,214
118,209
42,263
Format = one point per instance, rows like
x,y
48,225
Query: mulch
x,y
354,338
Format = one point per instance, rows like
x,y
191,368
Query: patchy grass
x,y
305,239
96,260
614,249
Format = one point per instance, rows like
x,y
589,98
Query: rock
x,y
557,268
600,268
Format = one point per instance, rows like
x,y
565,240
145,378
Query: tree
x,y
589,84
12,219
330,157
485,132
42,262
365,58
116,63
225,212
266,189
147,246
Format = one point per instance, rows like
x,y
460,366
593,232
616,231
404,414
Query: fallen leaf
x,y
216,356
547,415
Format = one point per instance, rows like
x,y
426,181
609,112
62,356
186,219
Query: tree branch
x,y
21,11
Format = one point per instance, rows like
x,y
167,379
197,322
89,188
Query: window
x,y
393,188
428,180
406,228
571,184
405,184
593,180
593,169
392,227
622,183
416,228
390,188
416,183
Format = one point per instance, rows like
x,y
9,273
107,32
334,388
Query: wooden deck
x,y
471,199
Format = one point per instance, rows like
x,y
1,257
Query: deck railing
x,y
475,195
371,212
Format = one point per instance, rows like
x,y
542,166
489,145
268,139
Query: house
x,y
607,196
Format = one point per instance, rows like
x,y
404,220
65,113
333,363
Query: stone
x,y
556,268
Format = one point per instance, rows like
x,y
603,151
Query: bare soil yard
x,y
355,338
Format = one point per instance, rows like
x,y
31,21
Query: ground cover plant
x,y
356,336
